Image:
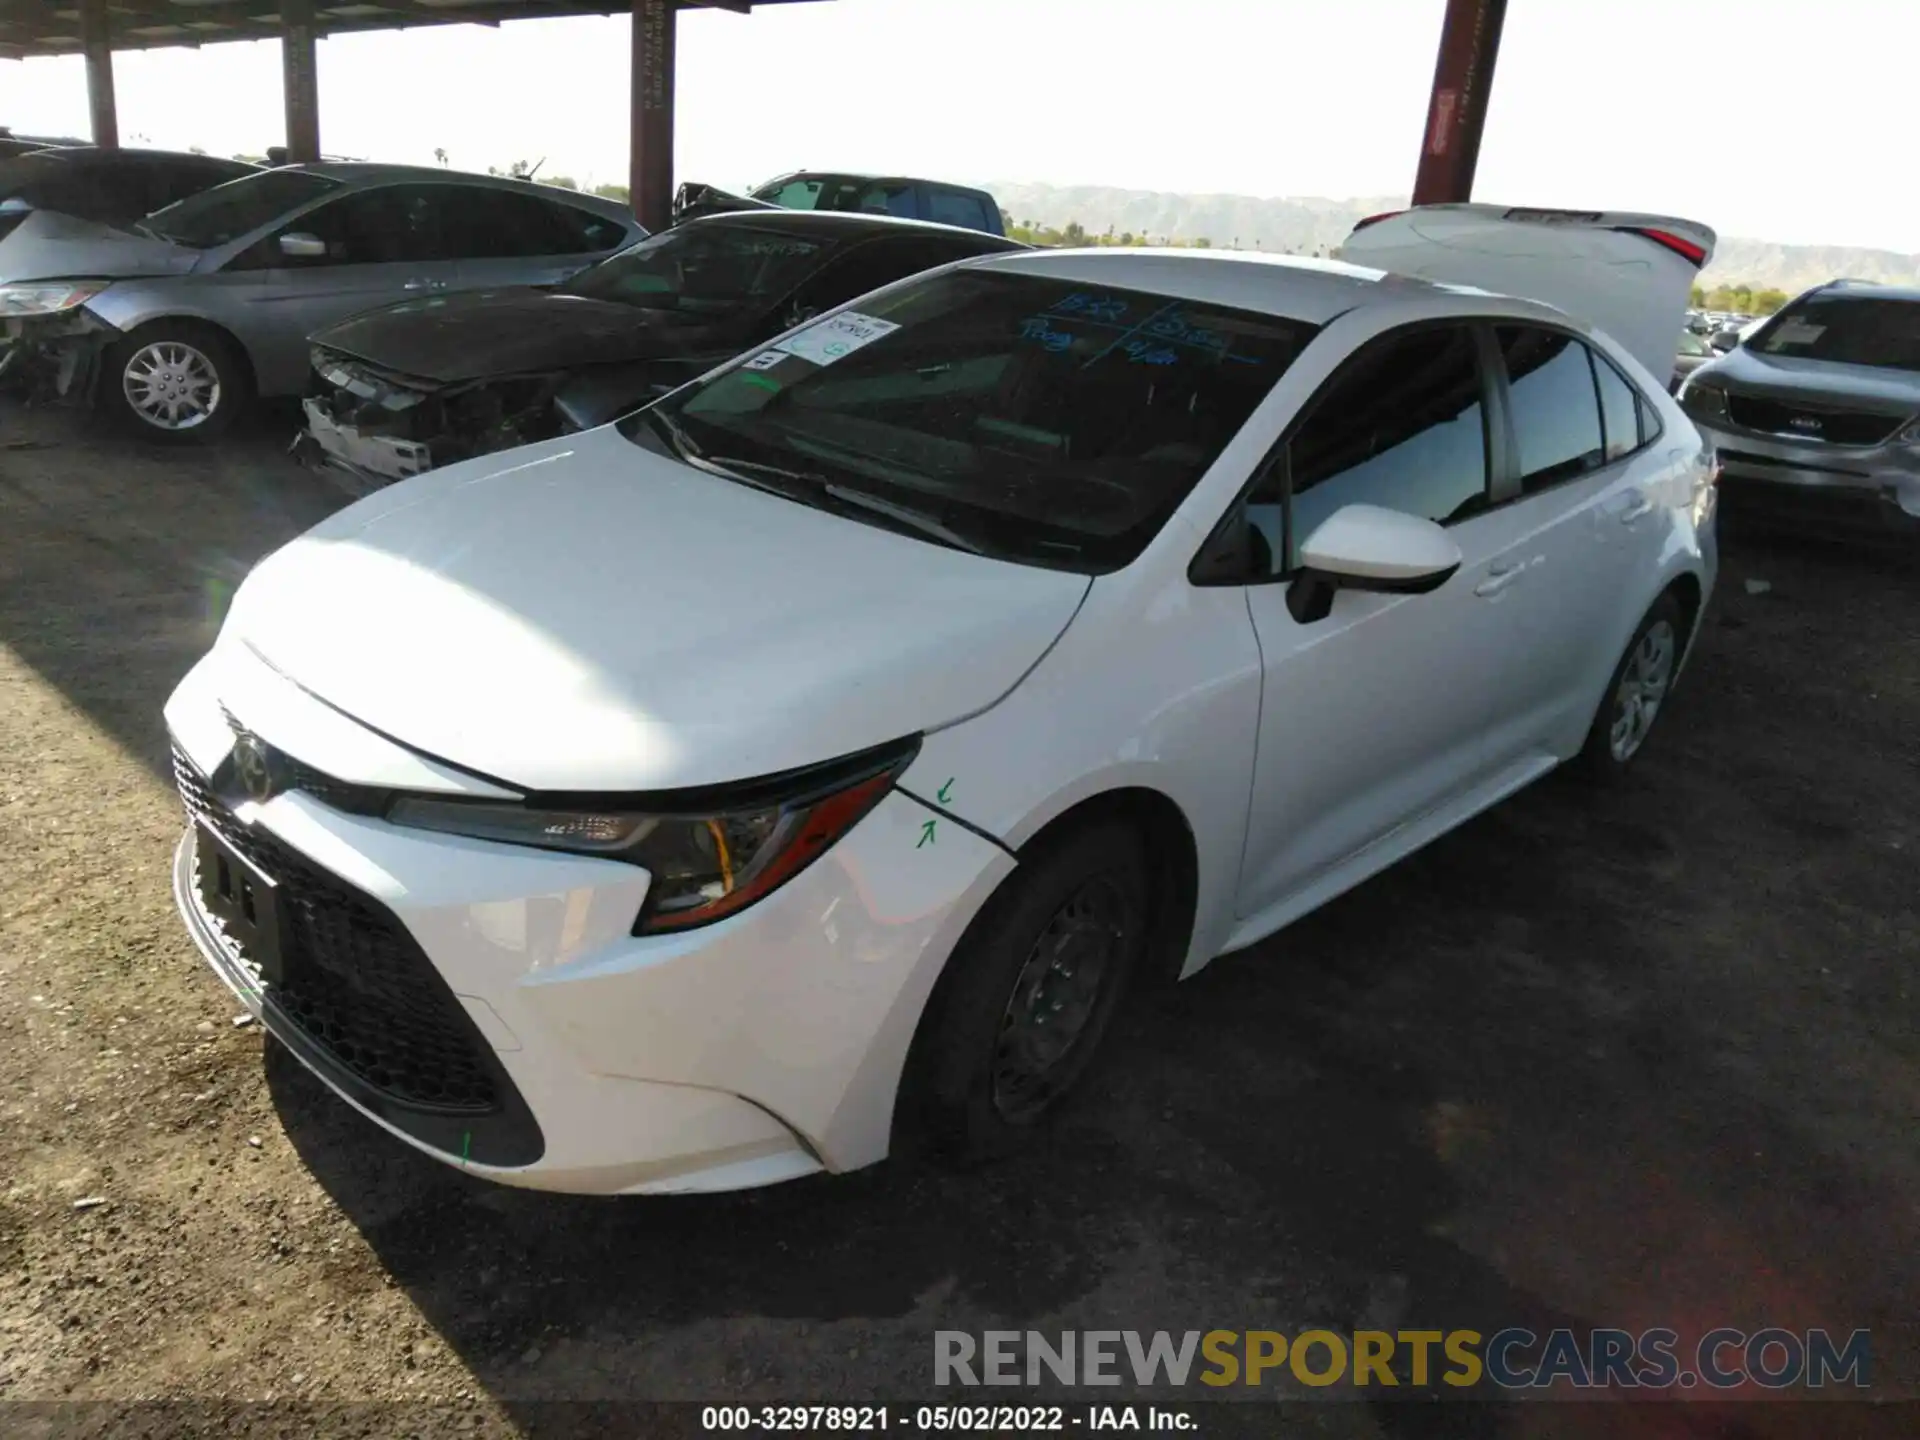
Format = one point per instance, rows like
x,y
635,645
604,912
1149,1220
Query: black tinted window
x,y
389,225
1402,426
226,212
1619,409
1556,412
1850,329
587,232
869,265
706,267
956,207
485,224
1038,418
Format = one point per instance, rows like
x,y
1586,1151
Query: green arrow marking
x,y
466,1144
943,797
926,834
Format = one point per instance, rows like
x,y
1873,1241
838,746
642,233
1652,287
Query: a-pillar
x,y
1457,112
650,169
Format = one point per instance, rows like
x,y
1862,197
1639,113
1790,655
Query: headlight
x,y
704,863
1697,398
48,298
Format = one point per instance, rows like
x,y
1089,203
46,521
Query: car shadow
x,y
118,557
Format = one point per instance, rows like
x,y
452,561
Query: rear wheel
x,y
1637,693
174,381
1029,994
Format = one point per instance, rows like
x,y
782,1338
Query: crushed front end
x,y
381,425
50,342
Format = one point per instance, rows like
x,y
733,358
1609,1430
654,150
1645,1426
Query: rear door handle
x,y
424,285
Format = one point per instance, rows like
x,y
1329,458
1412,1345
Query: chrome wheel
x,y
171,385
1644,682
1057,992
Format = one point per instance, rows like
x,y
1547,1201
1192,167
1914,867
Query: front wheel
x,y
1029,993
1637,693
174,381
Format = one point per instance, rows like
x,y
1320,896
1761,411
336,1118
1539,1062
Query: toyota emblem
x,y
253,766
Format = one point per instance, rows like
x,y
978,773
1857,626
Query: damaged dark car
x,y
425,382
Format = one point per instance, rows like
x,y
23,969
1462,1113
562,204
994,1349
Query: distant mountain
x,y
1304,225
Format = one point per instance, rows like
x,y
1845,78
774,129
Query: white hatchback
x,y
808,763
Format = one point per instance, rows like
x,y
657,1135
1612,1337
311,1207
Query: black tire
x,y
1601,759
986,1022
174,353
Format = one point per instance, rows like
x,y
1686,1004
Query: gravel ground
x,y
1640,1058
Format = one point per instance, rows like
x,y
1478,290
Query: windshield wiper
x,y
674,433
846,497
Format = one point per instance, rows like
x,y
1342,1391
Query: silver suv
x,y
1816,414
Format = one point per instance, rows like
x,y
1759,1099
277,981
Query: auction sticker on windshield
x,y
836,337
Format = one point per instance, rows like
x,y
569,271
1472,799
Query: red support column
x,y
650,158
98,43
1462,81
300,80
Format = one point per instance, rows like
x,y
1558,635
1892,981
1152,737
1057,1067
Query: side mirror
x,y
798,313
1723,342
298,245
1368,547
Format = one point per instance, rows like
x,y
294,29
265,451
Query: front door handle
x,y
424,285
1500,575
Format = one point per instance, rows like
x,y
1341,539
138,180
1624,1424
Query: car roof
x,y
84,155
839,223
863,175
374,172
1872,289
1295,287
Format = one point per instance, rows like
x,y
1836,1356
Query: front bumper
x,y
56,356
1867,490
761,1048
376,459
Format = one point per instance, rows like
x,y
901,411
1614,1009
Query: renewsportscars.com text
x,y
1513,1359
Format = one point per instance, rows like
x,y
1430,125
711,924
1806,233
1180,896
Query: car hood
x,y
488,333
587,615
50,245
1790,377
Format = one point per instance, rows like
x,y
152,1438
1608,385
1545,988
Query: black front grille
x,y
355,982
1835,425
290,774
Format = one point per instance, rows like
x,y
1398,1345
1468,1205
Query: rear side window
x,y
1403,426
1621,423
956,207
488,224
1555,404
585,231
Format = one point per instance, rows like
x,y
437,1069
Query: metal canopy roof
x,y
35,27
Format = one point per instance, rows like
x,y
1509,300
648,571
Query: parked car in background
x,y
174,327
12,144
816,756
1817,415
111,186
1693,352
423,382
904,199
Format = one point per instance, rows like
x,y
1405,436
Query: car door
x,y
502,237
378,245
1584,534
1377,714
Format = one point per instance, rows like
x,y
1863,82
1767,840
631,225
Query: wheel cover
x,y
1075,958
171,385
1644,682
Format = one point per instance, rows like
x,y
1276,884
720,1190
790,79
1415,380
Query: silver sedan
x,y
176,323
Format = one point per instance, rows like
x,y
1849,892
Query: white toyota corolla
x,y
810,761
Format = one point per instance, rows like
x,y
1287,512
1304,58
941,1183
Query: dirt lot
x,y
1634,1059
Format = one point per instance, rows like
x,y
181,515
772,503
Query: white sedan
x,y
807,764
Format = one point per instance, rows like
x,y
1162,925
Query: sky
x,y
1784,120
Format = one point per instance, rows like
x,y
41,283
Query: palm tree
x,y
439,154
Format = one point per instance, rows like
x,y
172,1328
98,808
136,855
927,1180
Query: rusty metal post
x,y
300,80
650,157
1462,81
98,43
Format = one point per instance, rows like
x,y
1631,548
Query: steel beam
x,y
650,157
1457,111
300,80
98,43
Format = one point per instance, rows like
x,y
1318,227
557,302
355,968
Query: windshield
x,y
841,192
708,268
1851,329
239,207
1037,419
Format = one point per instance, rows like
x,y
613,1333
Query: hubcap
x,y
1056,993
171,386
1643,686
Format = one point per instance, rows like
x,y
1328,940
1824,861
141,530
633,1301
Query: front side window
x,y
1402,426
391,224
1849,329
1556,408
1030,417
709,268
225,213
